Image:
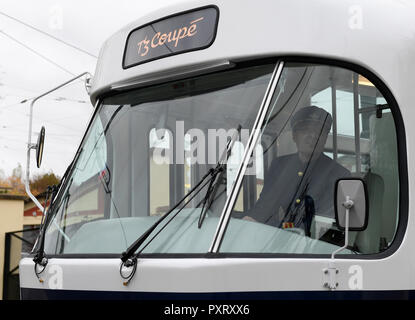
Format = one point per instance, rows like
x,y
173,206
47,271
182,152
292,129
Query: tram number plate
x,y
189,31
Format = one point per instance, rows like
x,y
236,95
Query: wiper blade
x,y
126,255
217,178
40,257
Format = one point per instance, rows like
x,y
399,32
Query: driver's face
x,y
306,136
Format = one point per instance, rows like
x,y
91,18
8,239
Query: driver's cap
x,y
312,114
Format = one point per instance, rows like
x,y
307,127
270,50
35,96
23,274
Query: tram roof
x,y
378,35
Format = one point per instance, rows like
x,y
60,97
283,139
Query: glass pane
x,y
323,125
187,164
160,143
147,149
83,200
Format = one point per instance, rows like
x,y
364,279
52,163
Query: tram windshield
x,y
144,151
147,148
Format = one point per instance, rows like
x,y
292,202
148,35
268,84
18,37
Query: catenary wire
x,y
47,34
36,53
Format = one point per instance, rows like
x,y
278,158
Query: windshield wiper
x,y
40,256
128,258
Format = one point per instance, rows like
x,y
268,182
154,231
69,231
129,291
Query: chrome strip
x,y
253,138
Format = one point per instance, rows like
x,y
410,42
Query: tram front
x,y
199,151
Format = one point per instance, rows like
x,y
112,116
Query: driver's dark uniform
x,y
293,192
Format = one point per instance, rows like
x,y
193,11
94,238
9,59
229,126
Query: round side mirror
x,y
39,147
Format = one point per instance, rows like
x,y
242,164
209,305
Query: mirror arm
x,y
348,204
30,145
27,187
331,270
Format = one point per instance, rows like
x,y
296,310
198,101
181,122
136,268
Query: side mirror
x,y
351,209
351,204
39,146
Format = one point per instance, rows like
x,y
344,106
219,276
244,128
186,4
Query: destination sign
x,y
181,33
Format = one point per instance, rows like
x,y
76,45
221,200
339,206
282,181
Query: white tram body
x,y
254,64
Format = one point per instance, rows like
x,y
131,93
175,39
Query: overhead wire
x,y
45,121
36,52
44,58
53,97
47,34
41,55
7,106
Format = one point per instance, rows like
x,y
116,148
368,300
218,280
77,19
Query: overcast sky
x,y
32,63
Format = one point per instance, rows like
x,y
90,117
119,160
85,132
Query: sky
x,y
32,63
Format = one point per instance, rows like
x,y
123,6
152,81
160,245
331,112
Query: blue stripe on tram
x,y
40,294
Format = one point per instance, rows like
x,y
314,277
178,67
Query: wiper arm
x,y
40,258
218,175
126,256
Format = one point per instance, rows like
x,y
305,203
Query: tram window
x,y
141,172
259,170
83,200
187,164
231,170
255,184
324,125
160,143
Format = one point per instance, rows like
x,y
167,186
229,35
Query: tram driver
x,y
300,185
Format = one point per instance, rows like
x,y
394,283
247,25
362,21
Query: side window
x,y
252,189
324,123
259,173
231,170
160,143
187,163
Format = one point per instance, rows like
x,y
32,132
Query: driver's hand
x,y
249,218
